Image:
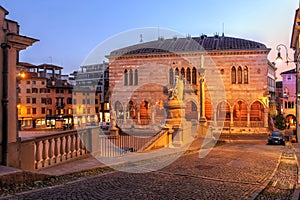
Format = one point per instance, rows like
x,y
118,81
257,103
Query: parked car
x,y
276,137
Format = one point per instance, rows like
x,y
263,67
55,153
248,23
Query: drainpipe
x,y
5,47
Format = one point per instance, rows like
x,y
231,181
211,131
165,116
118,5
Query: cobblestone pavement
x,y
284,181
230,171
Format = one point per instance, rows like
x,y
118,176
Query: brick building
x,y
235,74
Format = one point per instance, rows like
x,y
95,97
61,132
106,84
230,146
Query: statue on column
x,y
177,91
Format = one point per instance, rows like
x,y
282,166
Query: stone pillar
x,y
152,115
231,117
215,117
202,119
266,114
139,117
248,117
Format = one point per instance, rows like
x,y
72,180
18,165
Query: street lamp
x,y
296,61
279,57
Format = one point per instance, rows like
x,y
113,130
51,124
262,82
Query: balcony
x,y
60,105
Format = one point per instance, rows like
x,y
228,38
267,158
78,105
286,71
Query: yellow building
x,y
44,99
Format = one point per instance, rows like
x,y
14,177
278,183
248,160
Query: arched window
x,y
240,75
136,77
125,77
130,77
233,75
182,73
176,72
194,76
171,76
285,92
188,75
246,75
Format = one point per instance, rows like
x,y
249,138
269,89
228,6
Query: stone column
x,y
152,115
266,114
231,117
215,117
139,117
248,117
202,101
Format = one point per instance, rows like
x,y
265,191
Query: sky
x,y
70,30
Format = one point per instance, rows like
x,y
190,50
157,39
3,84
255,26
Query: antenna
x,y
223,29
141,37
158,32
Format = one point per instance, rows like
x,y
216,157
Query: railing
x,y
256,124
121,145
49,150
45,151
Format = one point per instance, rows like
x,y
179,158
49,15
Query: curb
x,y
266,182
296,193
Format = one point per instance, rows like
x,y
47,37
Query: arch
x,y
188,75
240,75
176,72
182,72
256,111
285,92
290,121
119,110
240,111
125,77
246,74
136,77
145,112
130,77
191,110
171,76
194,76
223,111
233,75
132,110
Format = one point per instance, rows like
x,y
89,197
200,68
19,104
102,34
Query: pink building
x,y
288,98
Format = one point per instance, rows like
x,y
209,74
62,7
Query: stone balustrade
x,y
48,150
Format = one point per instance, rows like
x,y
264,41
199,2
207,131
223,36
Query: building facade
x,y
92,83
226,82
11,44
44,99
288,98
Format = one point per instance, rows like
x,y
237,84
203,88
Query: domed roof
x,y
190,44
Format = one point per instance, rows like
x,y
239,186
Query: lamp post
x,y
296,61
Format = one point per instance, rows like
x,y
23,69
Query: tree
x,y
280,122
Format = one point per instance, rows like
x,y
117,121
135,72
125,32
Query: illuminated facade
x,y
91,104
288,98
44,99
140,76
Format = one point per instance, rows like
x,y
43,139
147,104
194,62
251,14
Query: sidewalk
x,y
73,166
296,147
